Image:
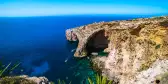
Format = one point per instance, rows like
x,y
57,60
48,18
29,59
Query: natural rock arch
x,y
97,42
82,34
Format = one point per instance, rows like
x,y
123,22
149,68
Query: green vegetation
x,y
62,82
4,72
158,46
8,68
100,80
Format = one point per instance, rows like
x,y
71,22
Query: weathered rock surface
x,y
24,79
138,49
84,33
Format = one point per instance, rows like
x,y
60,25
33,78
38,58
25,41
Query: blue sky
x,y
65,7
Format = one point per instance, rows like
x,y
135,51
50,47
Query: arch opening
x,y
97,43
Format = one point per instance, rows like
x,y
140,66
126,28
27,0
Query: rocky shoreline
x,y
24,79
138,49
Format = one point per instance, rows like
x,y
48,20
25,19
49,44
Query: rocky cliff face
x,y
138,49
83,34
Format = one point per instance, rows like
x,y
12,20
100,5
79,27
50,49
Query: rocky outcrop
x,y
84,33
138,49
81,34
24,79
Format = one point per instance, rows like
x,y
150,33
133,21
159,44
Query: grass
x,y
5,70
8,68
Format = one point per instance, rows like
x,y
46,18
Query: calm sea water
x,y
40,45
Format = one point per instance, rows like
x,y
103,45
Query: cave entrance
x,y
97,43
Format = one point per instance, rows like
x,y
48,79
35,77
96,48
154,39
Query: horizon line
x,y
157,14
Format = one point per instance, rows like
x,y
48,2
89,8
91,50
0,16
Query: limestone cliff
x,y
138,49
83,34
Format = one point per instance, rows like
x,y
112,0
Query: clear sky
x,y
64,7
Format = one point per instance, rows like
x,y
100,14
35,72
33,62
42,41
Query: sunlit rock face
x,y
70,35
84,33
137,56
138,49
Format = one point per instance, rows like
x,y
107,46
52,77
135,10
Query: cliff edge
x,y
138,48
90,35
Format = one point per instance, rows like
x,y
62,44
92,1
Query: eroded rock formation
x,y
138,49
84,33
97,43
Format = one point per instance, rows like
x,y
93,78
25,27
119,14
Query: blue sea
x,y
39,43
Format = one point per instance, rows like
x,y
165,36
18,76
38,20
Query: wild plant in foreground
x,y
62,82
7,68
100,80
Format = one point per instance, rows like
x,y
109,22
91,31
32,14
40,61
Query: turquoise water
x,y
40,45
